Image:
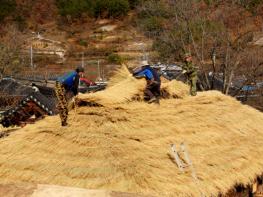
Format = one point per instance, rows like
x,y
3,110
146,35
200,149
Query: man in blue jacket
x,y
153,86
68,83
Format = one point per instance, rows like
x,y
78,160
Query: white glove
x,y
73,100
184,71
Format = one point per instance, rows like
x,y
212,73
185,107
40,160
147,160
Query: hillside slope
x,y
105,41
102,45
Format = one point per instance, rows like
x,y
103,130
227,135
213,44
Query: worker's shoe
x,y
64,124
153,100
193,93
157,101
22,124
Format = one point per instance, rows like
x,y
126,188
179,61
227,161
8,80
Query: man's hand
x,y
139,77
73,100
184,71
155,82
150,82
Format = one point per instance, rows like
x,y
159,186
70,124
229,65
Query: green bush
x,y
83,42
152,23
251,5
212,2
73,8
97,8
21,22
166,49
6,7
134,3
110,8
158,9
115,58
118,8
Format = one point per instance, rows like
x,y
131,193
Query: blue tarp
x,y
249,88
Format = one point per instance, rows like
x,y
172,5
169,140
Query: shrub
x,y
21,22
115,58
97,8
6,7
118,8
158,9
83,42
152,23
134,3
212,2
110,8
73,8
251,5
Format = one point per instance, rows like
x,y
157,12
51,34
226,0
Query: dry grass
x,y
120,89
125,147
123,88
174,89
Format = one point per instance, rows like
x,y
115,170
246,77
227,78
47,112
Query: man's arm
x,y
75,88
139,75
145,73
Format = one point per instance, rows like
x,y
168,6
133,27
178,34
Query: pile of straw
x,y
124,88
126,147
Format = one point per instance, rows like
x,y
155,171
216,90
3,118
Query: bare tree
x,y
10,48
188,28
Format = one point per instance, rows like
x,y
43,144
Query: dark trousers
x,y
62,103
153,89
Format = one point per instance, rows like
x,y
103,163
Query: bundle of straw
x,y
123,88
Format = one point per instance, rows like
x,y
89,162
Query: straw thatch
x,y
123,88
38,190
125,147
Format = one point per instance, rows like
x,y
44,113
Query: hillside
x,y
107,42
104,42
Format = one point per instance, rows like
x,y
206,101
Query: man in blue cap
x,y
68,83
152,90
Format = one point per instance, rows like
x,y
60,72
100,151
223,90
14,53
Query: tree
x,y
10,48
96,8
6,7
181,26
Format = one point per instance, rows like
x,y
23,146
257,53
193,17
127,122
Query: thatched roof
x,y
38,190
123,88
125,146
